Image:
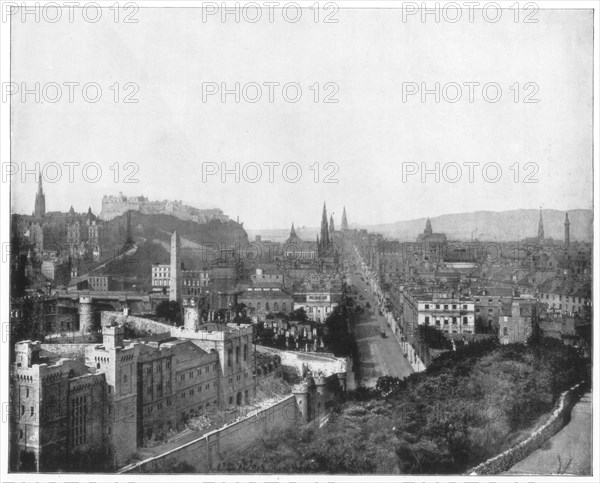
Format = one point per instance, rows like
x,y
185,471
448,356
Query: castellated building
x,y
93,410
113,206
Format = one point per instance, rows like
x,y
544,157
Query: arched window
x,y
267,307
275,306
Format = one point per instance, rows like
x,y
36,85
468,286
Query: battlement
x,y
113,206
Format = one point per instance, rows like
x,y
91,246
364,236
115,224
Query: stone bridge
x,y
91,303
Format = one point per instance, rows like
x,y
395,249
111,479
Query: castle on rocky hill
x,y
113,206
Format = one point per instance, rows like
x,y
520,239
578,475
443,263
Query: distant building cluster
x,y
470,290
113,206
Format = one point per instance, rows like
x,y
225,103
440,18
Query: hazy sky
x,y
369,55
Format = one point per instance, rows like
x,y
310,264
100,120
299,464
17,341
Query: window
x,y
437,306
505,331
465,320
27,392
31,411
454,320
426,320
454,306
465,305
245,351
426,306
445,307
229,354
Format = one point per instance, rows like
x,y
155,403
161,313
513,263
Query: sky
x,y
365,152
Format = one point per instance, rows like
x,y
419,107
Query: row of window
x,y
446,306
576,300
268,306
465,321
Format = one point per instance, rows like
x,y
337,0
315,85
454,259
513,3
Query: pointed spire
x,y
39,209
344,220
541,226
293,230
324,229
428,230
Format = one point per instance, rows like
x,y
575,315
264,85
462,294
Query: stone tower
x,y
331,227
344,220
541,226
567,231
175,286
86,316
40,200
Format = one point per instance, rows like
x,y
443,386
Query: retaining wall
x,y
557,420
204,453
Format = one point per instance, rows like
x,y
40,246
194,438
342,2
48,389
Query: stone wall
x,y
204,453
67,351
293,362
557,420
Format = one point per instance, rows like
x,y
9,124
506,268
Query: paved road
x,y
573,444
378,356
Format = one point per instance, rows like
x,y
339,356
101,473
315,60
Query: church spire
x,y
331,226
40,200
541,226
428,230
293,230
324,230
344,220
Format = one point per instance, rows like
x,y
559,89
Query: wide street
x,y
378,356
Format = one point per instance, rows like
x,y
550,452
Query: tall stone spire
x,y
428,230
292,231
175,286
344,220
331,227
541,226
40,200
567,231
324,230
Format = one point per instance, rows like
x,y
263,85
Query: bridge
x,y
113,300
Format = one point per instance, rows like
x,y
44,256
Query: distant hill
x,y
483,225
498,226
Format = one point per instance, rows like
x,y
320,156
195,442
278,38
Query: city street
x,y
378,356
